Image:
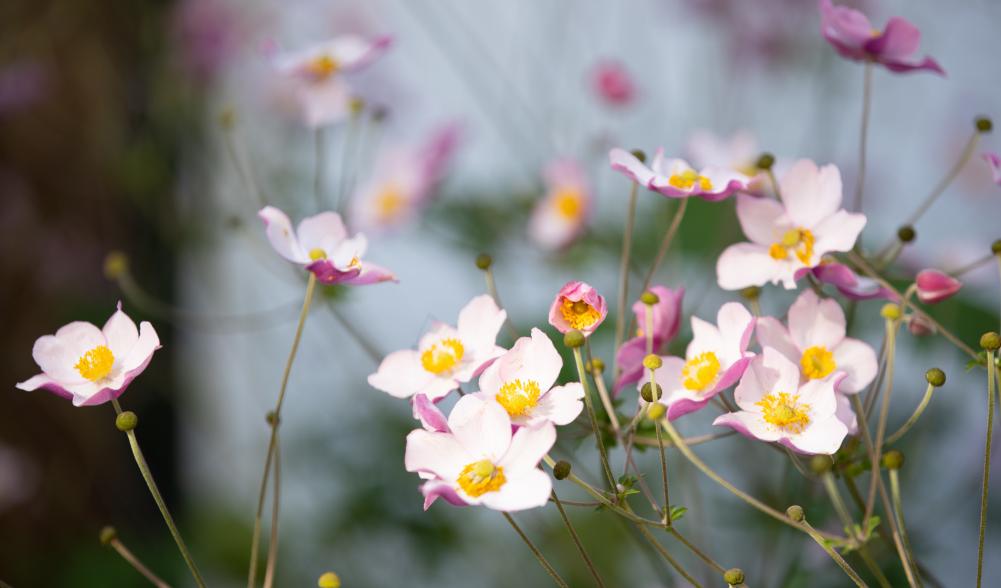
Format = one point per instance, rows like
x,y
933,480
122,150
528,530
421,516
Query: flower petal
x,y
278,229
528,489
761,219
483,428
858,360
400,374
816,322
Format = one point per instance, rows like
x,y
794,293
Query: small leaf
x,y
677,512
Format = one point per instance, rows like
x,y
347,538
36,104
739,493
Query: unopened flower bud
x,y
561,470
820,464
996,247
734,576
751,292
893,459
126,421
984,124
357,105
990,341
795,512
595,365
639,154
272,419
649,298
935,377
329,580
573,339
890,311
906,234
484,261
650,393
765,161
655,411
652,362
115,264
107,535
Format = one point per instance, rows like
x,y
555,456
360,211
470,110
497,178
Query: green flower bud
x,y
751,292
595,365
573,339
984,124
935,377
650,393
990,341
357,105
652,362
890,311
561,470
126,421
734,576
906,234
638,154
649,298
115,264
892,460
484,261
107,535
655,410
996,247
795,512
765,161
820,464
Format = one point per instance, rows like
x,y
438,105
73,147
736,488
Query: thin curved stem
x,y
863,135
589,403
138,565
844,565
538,554
576,540
665,243
606,400
320,147
914,417
964,157
891,337
991,383
667,556
898,512
698,552
269,571
663,476
627,242
492,290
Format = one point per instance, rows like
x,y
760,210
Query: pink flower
x,y
675,178
994,161
445,356
321,244
315,75
775,408
794,234
850,284
739,151
479,461
714,361
612,83
934,286
853,37
666,322
577,306
404,182
560,217
90,365
522,382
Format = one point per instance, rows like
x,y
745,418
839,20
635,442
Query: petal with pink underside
x,y
816,322
43,382
429,414
142,351
749,424
899,41
858,360
761,219
625,162
438,453
435,489
846,415
371,274
483,428
278,229
526,490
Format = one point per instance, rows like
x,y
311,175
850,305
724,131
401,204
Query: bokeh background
x,y
123,127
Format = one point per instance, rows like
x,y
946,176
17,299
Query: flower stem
x,y
577,541
241,168
589,403
606,400
991,383
269,571
877,448
151,483
535,551
665,243
275,421
138,565
816,536
863,135
964,156
667,556
320,146
627,242
698,552
492,290
775,183
914,417
831,486
898,512
663,475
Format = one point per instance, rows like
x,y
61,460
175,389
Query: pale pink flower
x,y
715,359
675,178
612,83
91,365
739,151
794,234
404,182
321,244
776,408
523,382
934,286
666,322
479,461
577,306
446,356
560,217
994,161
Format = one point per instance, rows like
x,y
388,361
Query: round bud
x,y
795,512
996,247
271,419
652,362
990,341
854,469
639,154
595,365
329,580
573,338
984,124
561,470
357,105
890,311
650,393
893,459
751,292
935,377
906,234
765,161
820,464
655,411
115,264
484,261
649,298
107,535
126,421
734,576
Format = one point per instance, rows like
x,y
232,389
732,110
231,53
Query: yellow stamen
x,y
579,314
480,477
519,397
389,203
322,67
797,241
96,364
688,178
700,371
817,362
316,254
567,203
785,412
443,356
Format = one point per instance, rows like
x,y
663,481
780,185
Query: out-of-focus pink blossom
x,y
612,83
935,286
577,306
666,322
993,160
206,33
675,178
850,284
560,217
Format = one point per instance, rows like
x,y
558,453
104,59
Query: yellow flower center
x,y
389,203
567,203
96,364
322,67
785,411
480,477
688,178
817,362
443,356
316,254
799,242
579,314
700,371
519,397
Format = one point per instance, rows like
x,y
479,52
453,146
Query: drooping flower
x,y
934,286
853,37
675,178
850,284
403,182
314,75
666,322
774,407
994,161
522,382
577,306
560,217
816,341
321,244
612,83
446,356
479,461
715,359
794,234
91,365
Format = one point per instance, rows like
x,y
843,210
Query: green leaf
x,y
677,512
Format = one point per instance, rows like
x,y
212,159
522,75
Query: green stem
x,y
138,565
272,560
151,483
991,383
321,156
627,241
535,551
775,183
914,417
816,536
492,290
698,552
831,486
863,552
891,336
863,135
576,540
589,403
665,243
971,146
663,475
667,556
898,512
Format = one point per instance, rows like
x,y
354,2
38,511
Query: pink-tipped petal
x,y
934,286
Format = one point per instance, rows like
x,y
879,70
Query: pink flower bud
x,y
935,286
612,84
